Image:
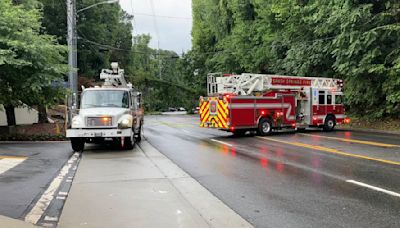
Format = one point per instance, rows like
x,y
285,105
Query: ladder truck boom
x,y
246,84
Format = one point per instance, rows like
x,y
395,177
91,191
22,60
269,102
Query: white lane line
x,y
63,193
227,144
186,131
40,207
374,188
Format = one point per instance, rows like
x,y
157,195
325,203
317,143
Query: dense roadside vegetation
x,y
30,62
33,56
350,39
105,35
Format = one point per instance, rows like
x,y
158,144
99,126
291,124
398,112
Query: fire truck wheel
x,y
301,129
78,144
239,133
265,127
330,123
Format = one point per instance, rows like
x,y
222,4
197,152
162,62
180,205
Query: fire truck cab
x,y
239,103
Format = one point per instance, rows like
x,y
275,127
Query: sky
x,y
172,25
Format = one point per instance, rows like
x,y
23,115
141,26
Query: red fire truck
x,y
248,102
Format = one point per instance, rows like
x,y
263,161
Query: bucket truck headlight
x,y
76,122
125,122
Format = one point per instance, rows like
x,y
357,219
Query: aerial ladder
x,y
248,84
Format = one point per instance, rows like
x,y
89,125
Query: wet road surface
x,y
311,179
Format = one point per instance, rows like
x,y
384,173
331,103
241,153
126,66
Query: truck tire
x,y
239,133
129,143
329,124
78,144
301,129
138,136
265,127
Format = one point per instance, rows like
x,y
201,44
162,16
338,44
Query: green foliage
x,y
30,62
354,40
105,35
172,89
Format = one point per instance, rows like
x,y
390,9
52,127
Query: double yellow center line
x,y
12,157
330,150
354,141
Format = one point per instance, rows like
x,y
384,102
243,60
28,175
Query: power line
x,y
158,36
272,45
163,16
154,20
168,56
134,19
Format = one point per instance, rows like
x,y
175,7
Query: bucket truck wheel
x,y
78,144
138,136
265,127
129,142
330,123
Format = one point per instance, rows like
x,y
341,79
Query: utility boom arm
x,y
114,77
246,84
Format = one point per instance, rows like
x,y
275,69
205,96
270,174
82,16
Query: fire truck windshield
x,y
105,98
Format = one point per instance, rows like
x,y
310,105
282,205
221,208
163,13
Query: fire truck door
x,y
304,106
319,103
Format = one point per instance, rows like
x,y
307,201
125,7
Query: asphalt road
x,y
315,179
26,170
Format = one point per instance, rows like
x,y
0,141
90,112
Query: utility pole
x,y
72,56
159,59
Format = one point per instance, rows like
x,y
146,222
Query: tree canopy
x,y
357,41
30,62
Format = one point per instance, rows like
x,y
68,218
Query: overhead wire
x,y
163,16
125,50
135,28
153,14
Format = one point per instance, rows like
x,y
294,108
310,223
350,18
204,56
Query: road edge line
x,y
44,201
223,143
392,193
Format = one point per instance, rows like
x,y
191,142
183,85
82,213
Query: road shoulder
x,y
141,188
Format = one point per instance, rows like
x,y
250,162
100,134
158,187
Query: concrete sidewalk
x,y
14,223
140,188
